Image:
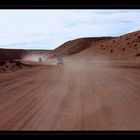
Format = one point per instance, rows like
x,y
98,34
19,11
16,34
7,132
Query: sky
x,y
48,29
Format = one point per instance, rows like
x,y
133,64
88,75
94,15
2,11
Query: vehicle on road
x,y
40,59
60,60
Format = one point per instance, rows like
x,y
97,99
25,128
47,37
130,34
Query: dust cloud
x,y
33,57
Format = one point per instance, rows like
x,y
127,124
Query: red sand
x,y
86,93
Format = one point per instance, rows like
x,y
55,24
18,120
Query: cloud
x,y
47,29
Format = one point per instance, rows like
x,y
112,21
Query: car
x,y
40,59
60,60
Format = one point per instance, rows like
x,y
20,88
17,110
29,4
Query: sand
x,y
95,89
79,95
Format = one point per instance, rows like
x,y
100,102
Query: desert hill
x,y
11,54
123,47
8,54
77,45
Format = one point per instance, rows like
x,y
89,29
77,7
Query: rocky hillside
x,y
8,54
11,65
125,47
77,45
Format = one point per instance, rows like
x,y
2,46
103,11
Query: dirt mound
x,y
124,47
77,45
11,65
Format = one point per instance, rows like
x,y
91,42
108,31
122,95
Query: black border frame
x,y
93,4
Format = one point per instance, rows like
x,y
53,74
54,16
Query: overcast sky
x,y
47,29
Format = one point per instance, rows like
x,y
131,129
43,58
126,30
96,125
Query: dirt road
x,y
75,96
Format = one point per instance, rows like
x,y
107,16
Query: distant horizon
x,y
39,49
48,29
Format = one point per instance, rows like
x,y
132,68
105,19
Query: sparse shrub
x,y
137,54
111,51
135,44
123,49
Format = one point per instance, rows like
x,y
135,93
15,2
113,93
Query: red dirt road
x,y
76,96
